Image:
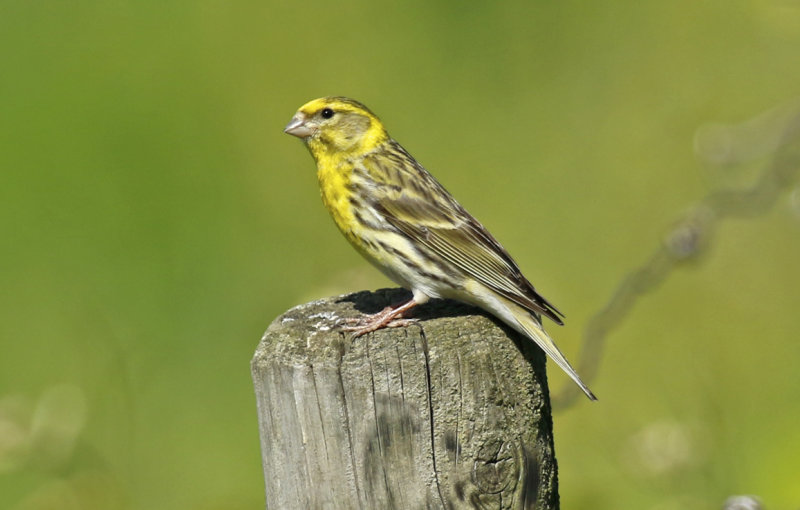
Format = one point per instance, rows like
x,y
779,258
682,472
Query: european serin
x,y
401,219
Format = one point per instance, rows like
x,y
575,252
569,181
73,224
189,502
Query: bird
x,y
402,220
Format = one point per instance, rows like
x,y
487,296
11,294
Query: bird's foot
x,y
389,317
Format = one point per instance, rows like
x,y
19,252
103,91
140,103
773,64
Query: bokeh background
x,y
154,219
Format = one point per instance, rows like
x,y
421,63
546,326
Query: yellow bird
x,y
398,216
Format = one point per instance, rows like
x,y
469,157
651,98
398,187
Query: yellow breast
x,y
333,184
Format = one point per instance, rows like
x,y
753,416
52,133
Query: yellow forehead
x,y
339,104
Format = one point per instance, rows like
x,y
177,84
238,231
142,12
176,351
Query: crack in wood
x,y
431,413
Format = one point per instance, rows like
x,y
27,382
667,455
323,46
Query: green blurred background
x,y
155,219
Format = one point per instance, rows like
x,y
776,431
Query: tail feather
x,y
531,327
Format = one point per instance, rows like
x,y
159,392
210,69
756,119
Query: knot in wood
x,y
496,468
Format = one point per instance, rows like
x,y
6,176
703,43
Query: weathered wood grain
x,y
449,413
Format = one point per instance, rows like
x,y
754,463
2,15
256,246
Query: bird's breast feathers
x,y
334,184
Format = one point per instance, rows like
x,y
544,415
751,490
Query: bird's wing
x,y
430,216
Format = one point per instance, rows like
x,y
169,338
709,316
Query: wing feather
x,y
430,216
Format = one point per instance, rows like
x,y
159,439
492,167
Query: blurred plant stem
x,y
778,131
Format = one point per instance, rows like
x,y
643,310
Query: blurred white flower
x,y
746,502
663,447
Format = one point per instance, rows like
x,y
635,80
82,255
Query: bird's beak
x,y
297,126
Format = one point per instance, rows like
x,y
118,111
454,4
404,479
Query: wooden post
x,y
452,412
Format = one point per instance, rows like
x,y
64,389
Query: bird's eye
x,y
327,113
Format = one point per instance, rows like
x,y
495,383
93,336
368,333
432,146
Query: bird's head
x,y
336,125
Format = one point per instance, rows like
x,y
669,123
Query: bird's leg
x,y
389,317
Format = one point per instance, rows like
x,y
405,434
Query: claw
x,y
389,317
